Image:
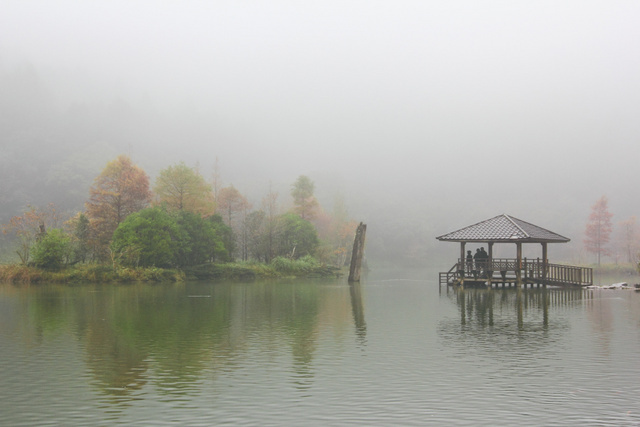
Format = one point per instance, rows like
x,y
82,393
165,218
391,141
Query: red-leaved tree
x,y
120,190
598,230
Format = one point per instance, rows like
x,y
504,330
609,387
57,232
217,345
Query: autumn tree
x,y
305,203
120,190
598,230
233,208
341,232
230,204
336,232
31,226
180,187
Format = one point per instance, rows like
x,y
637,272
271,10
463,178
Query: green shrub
x,y
51,251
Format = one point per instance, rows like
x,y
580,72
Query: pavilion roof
x,y
503,228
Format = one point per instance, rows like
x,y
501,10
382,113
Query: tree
x,y
30,226
230,203
202,243
226,246
155,237
233,207
598,230
51,250
297,237
80,235
150,237
257,236
180,188
120,190
303,199
216,180
270,208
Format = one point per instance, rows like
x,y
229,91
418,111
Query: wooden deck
x,y
506,271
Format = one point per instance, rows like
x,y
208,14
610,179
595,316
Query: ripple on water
x,y
293,354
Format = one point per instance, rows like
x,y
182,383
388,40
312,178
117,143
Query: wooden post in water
x,y
357,253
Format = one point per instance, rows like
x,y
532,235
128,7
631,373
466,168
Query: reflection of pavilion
x,y
519,271
482,305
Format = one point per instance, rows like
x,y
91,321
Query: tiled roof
x,y
503,228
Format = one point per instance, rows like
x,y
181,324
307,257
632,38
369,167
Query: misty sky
x,y
421,103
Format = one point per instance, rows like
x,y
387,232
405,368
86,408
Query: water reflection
x,y
358,312
173,335
296,353
510,316
478,305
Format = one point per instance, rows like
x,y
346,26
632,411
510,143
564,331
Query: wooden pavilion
x,y
485,271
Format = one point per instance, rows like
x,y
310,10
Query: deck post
x,y
518,263
462,262
490,264
544,261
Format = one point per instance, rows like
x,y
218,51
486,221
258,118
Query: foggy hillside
x,y
424,116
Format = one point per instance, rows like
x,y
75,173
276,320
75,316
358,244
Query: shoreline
x,y
103,273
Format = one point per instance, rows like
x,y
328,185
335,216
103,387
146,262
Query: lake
x,y
395,350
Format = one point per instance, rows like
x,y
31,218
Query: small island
x,y
182,228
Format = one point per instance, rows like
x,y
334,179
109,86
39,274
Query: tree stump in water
x,y
357,253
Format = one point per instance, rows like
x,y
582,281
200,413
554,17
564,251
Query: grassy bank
x,y
103,273
278,268
87,273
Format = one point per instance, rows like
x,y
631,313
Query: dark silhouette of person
x,y
477,259
484,258
469,262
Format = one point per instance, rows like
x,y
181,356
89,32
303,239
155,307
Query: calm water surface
x,y
395,350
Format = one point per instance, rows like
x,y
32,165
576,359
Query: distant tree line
x,y
181,221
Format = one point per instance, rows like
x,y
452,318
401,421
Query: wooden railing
x,y
528,269
449,276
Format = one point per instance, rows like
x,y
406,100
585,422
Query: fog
x,y
425,116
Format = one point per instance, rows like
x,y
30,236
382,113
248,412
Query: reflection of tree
x,y
292,313
600,315
167,335
129,330
358,312
48,311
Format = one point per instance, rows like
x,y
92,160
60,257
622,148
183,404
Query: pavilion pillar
x,y
490,263
518,263
544,261
461,261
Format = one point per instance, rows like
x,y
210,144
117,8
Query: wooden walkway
x,y
505,271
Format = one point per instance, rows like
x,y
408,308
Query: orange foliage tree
x,y
120,190
304,201
598,230
336,232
